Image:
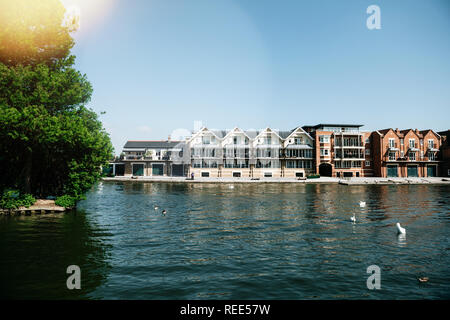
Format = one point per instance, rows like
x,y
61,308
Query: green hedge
x,y
313,176
66,201
12,199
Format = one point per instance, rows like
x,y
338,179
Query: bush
x,y
12,199
313,176
66,201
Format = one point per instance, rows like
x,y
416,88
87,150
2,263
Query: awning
x,y
268,146
299,146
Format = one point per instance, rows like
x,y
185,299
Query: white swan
x,y
400,229
164,212
156,207
231,187
353,218
362,204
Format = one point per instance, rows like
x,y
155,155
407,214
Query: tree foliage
x,y
50,143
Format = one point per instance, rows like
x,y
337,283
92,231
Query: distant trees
x,y
50,143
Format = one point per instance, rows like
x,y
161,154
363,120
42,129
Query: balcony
x,y
133,158
348,144
413,147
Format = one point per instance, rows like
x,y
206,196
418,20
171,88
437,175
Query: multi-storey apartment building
x,y
445,153
340,150
152,158
298,153
405,153
251,153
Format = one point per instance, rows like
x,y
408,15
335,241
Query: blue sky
x,y
159,65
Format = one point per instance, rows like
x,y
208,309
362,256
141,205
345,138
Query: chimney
x,y
397,131
417,131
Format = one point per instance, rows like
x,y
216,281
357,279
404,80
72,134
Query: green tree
x,y
51,144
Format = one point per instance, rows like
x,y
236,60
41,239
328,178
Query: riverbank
x,y
41,206
351,181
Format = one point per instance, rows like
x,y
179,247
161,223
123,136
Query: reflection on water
x,y
253,241
35,252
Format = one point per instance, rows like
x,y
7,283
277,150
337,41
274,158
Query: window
x,y
368,140
206,140
324,139
324,152
412,156
367,152
412,143
431,156
430,143
391,143
391,156
367,163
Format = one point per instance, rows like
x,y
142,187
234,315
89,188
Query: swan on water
x,y
353,218
362,204
156,207
400,230
164,212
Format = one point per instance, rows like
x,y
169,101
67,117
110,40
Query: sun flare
x,y
88,13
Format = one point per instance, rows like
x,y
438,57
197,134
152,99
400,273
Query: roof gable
x,y
293,131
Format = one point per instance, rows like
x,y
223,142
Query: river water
x,y
249,241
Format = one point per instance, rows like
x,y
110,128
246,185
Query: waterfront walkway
x,y
350,181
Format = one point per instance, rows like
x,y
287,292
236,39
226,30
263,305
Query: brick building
x,y
340,150
445,153
405,153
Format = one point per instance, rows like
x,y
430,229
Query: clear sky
x,y
158,65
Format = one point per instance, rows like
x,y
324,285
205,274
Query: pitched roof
x,y
151,144
334,125
219,133
284,134
414,131
252,134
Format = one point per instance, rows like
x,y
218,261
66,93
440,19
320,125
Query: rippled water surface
x,y
253,241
